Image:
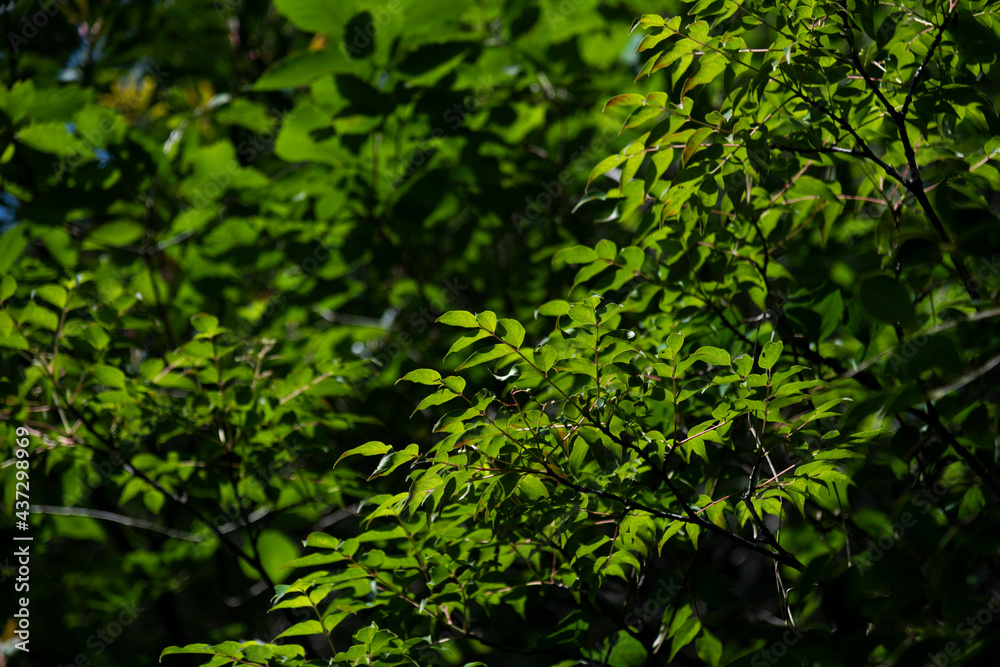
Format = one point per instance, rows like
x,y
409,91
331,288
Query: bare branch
x,y
807,150
116,518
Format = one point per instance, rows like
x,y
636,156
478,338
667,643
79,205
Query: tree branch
x,y
923,64
912,182
183,501
807,150
117,518
782,557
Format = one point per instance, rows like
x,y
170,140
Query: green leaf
x,y
608,312
326,16
466,341
770,354
7,287
421,376
52,138
743,365
831,454
669,532
606,250
437,398
152,499
972,503
96,336
640,116
693,530
604,166
510,331
863,436
684,636
275,549
554,308
593,196
227,648
694,142
347,547
12,244
709,66
207,325
633,258
454,383
459,318
303,628
532,487
675,342
709,648
114,234
40,316
288,651
586,550
483,356
583,314
390,506
111,377
651,40
258,653
589,271
322,541
713,355
488,320
646,21
393,460
628,100
368,449
196,649
311,560
546,357
54,294
576,255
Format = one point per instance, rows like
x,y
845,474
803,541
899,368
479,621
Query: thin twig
x,y
116,518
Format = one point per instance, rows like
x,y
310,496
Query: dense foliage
x,y
734,405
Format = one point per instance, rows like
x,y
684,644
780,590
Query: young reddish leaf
x,y
628,100
694,143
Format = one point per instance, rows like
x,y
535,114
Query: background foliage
x,y
734,405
